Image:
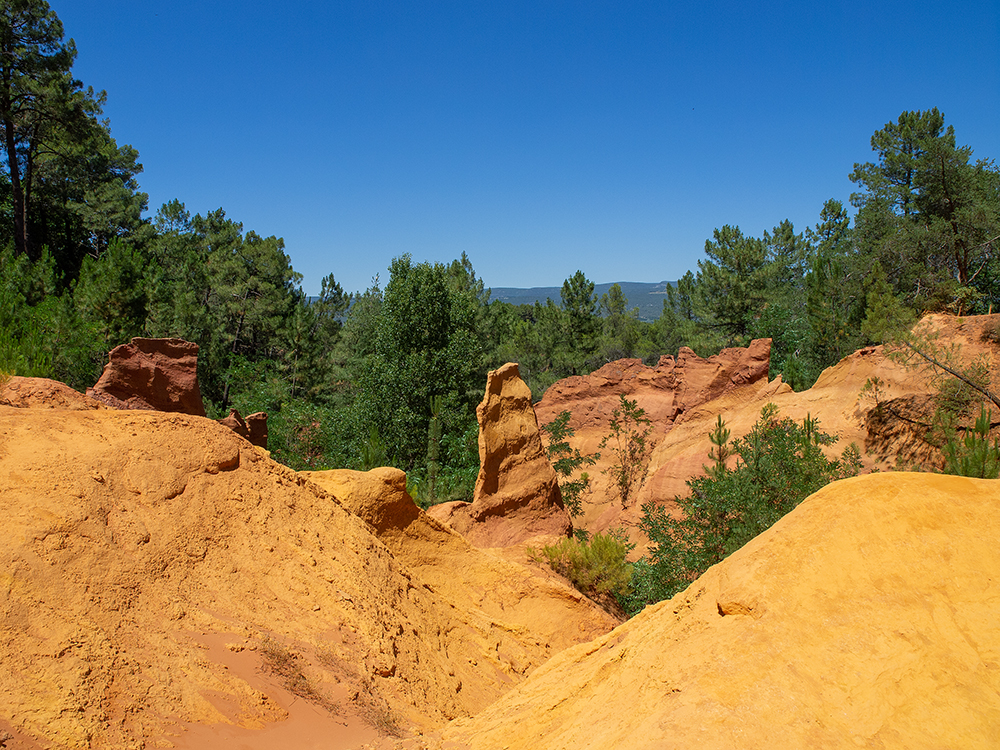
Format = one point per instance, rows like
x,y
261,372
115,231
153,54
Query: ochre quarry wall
x,y
680,435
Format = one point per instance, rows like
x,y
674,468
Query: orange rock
x,y
670,394
524,599
736,389
666,391
378,496
253,428
517,492
257,427
867,617
158,374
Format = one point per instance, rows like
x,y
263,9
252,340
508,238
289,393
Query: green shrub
x,y
451,484
991,332
456,469
630,448
566,461
596,567
780,463
973,455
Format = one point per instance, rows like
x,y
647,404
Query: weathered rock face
x,y
162,375
673,392
253,428
666,392
257,428
517,492
157,374
867,617
378,496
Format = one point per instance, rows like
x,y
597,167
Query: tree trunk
x,y
16,191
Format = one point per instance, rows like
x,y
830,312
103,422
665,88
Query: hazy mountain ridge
x,y
646,296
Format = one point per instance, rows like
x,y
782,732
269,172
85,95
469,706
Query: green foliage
x,y
630,448
580,304
973,455
720,451
566,461
597,567
958,395
302,434
886,316
962,385
24,349
991,332
457,470
41,331
426,345
733,282
779,464
434,448
111,293
548,341
373,451
930,214
621,332
70,187
835,298
352,354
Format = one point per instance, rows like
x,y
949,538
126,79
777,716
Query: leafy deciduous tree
x,y
628,438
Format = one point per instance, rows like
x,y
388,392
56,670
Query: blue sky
x,y
539,137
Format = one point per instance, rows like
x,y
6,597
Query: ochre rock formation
x,y
257,427
253,428
378,496
836,399
42,393
517,492
867,617
162,375
526,600
666,391
896,426
157,374
669,393
162,583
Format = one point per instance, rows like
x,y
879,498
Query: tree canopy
x,y
394,372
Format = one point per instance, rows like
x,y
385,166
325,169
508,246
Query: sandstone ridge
x,y
666,391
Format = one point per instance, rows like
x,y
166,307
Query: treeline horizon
x,y
392,374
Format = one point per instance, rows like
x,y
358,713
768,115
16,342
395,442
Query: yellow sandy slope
x,y
868,617
149,561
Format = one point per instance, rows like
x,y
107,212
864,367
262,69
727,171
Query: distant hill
x,y
648,297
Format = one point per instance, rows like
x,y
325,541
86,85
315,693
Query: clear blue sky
x,y
539,137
